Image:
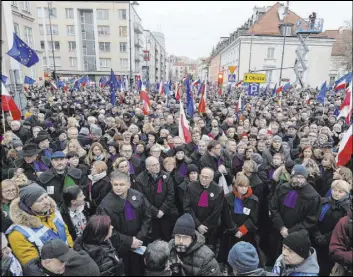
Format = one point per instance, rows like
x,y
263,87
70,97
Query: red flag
x,y
184,130
346,149
8,104
145,101
203,99
346,108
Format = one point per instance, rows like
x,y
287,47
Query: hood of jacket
x,y
19,216
197,244
308,266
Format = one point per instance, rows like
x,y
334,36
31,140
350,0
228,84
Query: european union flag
x,y
60,84
287,87
22,53
3,79
29,80
113,84
189,100
139,84
229,89
321,97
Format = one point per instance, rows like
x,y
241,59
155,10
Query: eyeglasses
x,y
9,191
154,165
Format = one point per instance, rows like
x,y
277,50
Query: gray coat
x,y
309,267
267,156
198,260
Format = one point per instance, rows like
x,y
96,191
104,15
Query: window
x,y
105,62
69,13
123,31
72,46
270,53
52,14
56,45
70,29
332,80
14,3
42,44
124,63
122,14
103,30
123,47
54,29
104,46
41,29
269,75
26,6
28,36
57,61
16,28
103,14
40,12
73,61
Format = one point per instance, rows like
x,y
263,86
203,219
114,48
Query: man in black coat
x,y
193,146
212,159
201,150
60,176
130,214
158,188
135,164
204,201
294,206
171,126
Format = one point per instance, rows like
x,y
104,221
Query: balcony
x,y
138,43
137,28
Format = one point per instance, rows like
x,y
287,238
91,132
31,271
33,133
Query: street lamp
x,y
51,36
131,4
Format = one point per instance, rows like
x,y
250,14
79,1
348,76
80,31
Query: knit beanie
x,y
95,130
192,168
84,131
81,264
243,257
256,157
30,194
17,143
299,242
299,169
277,138
185,225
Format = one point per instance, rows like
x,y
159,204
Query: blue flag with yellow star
x,y
22,53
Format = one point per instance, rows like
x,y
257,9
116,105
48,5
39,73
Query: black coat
x,y
140,227
104,255
65,213
196,158
325,182
232,222
29,170
180,195
163,201
190,148
96,193
173,129
303,216
35,268
179,175
23,134
207,216
209,161
53,183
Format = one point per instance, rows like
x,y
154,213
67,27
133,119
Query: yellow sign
x,y
232,68
254,78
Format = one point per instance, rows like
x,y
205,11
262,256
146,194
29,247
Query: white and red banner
x,y
8,104
184,129
346,148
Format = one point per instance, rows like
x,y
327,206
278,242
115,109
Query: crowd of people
x,y
94,189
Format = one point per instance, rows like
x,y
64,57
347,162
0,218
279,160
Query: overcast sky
x,y
193,28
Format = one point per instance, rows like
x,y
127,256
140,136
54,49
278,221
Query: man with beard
x,y
295,206
189,254
59,177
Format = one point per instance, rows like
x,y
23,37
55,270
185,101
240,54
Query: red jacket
x,y
341,245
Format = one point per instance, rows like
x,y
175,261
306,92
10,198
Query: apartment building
x,y
90,37
154,64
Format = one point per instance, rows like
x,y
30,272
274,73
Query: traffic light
x,y
220,78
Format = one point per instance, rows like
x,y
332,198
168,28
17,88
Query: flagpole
x,y
13,74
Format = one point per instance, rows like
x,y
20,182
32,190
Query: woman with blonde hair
x,y
96,153
72,122
343,173
314,174
9,192
327,168
73,145
120,125
98,185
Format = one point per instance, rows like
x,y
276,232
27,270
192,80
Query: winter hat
x,y
81,264
95,130
17,143
299,242
42,135
277,138
84,131
257,158
180,148
243,257
185,225
30,194
192,168
299,169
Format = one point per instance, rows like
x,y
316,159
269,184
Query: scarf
x,y
39,166
47,153
327,206
129,211
68,181
219,162
160,186
97,177
131,168
99,158
203,201
291,199
238,200
183,169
